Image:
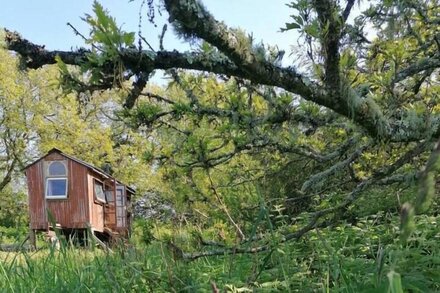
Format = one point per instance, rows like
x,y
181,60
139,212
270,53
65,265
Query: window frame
x,y
63,196
96,198
52,164
50,177
109,195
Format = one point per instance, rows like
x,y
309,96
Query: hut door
x,y
120,207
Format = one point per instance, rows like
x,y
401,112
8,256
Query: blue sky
x,y
44,21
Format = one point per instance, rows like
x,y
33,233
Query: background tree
x,y
36,115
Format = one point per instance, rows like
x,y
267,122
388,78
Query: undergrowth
x,y
362,257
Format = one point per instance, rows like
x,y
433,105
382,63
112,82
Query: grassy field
x,y
366,257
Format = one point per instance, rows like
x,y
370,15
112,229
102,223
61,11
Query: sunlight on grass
x,y
346,259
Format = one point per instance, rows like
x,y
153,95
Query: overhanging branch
x,y
236,58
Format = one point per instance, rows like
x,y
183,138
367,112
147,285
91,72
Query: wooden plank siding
x,y
110,216
72,212
97,209
38,219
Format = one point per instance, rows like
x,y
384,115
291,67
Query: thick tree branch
x,y
36,56
243,64
8,176
347,9
138,85
428,63
316,181
194,20
362,111
331,33
237,58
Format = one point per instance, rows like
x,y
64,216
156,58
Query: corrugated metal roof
x,y
91,167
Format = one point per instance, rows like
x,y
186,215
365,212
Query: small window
x,y
56,180
57,169
99,191
56,188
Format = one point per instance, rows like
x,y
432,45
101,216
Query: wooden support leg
x,y
32,238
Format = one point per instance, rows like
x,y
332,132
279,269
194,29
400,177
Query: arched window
x,y
57,169
56,180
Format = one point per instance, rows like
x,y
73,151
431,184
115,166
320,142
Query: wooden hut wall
x,y
96,209
35,177
72,212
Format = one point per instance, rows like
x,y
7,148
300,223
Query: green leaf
x,y
61,65
298,19
395,282
407,224
128,38
312,30
100,13
290,26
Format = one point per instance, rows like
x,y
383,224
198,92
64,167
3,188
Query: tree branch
x,y
243,64
237,57
347,9
36,56
428,63
317,180
381,177
190,18
8,176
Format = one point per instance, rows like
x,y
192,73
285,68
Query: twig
x,y
194,256
161,37
225,209
83,37
146,42
157,97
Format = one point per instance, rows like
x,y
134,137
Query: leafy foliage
x,y
365,257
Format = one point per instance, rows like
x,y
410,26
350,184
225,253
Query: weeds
x,y
366,257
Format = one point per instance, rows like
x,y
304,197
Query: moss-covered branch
x,y
237,56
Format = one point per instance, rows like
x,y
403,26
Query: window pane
x,y
109,195
99,191
57,169
56,187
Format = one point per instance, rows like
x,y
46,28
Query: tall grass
x,y
80,270
366,257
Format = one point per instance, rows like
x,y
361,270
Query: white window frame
x,y
63,196
56,177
